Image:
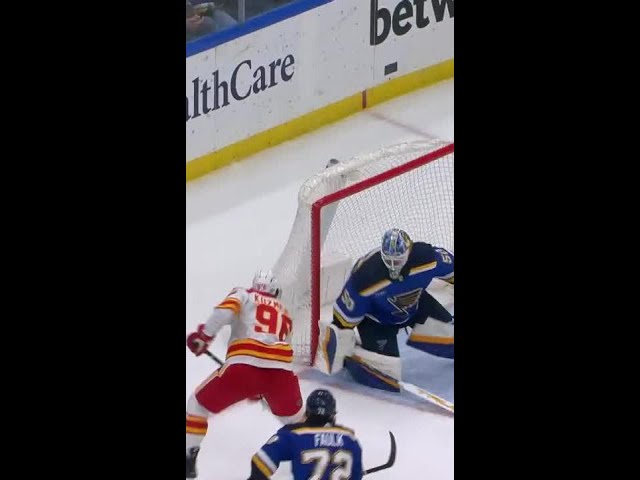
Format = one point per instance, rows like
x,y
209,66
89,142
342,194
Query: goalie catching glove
x,y
199,341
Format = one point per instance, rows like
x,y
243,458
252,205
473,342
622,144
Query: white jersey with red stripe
x,y
260,329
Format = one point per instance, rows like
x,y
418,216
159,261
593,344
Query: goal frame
x,y
316,210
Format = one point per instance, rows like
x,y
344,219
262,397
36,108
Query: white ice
x,y
239,219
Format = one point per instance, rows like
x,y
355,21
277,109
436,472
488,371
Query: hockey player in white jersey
x,y
258,362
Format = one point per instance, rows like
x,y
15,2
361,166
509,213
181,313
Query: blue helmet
x,y
396,246
321,403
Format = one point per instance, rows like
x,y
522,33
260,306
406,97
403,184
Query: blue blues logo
x,y
405,304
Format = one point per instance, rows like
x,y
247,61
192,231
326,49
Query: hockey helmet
x,y
265,282
396,246
320,403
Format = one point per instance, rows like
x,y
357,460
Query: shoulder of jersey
x,y
421,254
234,299
290,427
304,428
368,270
237,292
350,430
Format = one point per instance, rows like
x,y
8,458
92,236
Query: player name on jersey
x,y
328,440
272,302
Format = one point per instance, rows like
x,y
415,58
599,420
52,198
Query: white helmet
x,y
265,282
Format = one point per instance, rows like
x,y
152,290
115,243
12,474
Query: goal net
x,y
342,214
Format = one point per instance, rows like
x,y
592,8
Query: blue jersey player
x,y
388,290
317,448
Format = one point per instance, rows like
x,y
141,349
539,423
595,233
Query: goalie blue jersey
x,y
316,452
370,290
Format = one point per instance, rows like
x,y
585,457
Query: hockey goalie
x,y
391,288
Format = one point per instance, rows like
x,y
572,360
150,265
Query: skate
x,y
192,454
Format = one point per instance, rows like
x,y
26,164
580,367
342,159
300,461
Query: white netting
x,y
419,201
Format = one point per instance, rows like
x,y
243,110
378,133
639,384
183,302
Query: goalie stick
x,y
408,387
389,463
428,396
417,391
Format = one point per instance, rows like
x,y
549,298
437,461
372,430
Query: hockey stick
x,y
390,462
384,466
213,357
265,406
411,388
428,396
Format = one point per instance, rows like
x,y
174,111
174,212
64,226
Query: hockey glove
x,y
199,341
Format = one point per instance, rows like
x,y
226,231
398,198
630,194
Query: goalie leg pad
x,y
430,307
335,344
374,370
433,337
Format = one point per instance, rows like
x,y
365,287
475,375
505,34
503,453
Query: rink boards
x,y
299,74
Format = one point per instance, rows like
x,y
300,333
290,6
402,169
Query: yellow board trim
x,y
318,118
274,136
410,82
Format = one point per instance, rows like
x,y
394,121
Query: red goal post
x,y
399,186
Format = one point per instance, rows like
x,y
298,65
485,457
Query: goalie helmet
x,y
396,246
320,403
265,282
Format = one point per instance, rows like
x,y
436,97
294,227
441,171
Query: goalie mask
x,y
396,246
265,282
